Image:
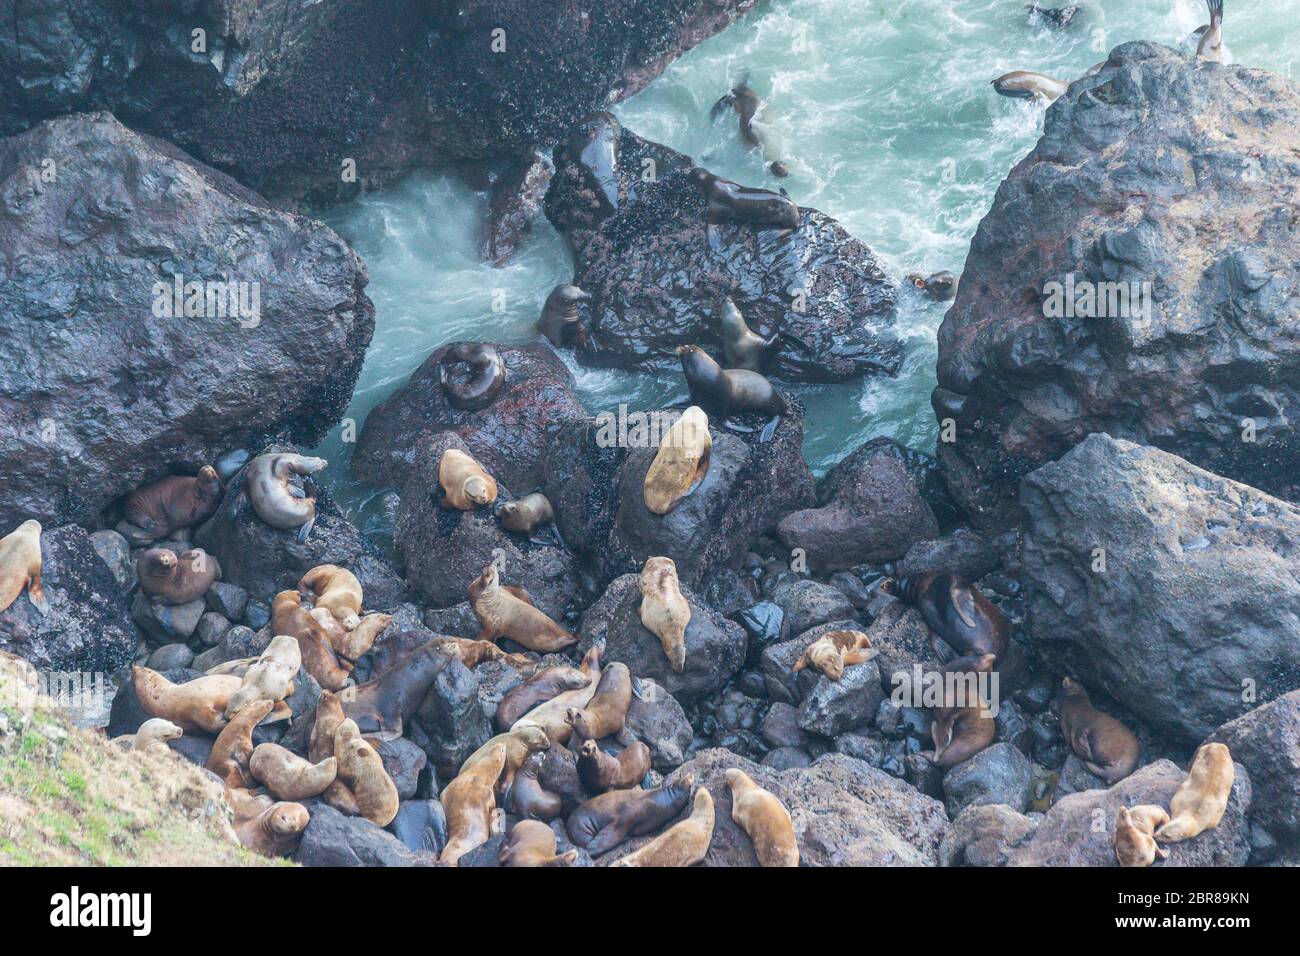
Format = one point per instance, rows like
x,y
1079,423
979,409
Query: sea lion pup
x,y
730,392
171,579
1134,829
1200,800
682,844
833,652
385,705
537,689
1106,746
164,507
605,821
604,715
335,589
362,769
962,726
288,616
197,706
765,818
732,202
234,747
1211,45
152,736
599,772
941,286
470,803
1024,85
519,743
276,831
20,566
956,612
276,499
530,799
525,515
550,715
356,642
681,462
465,485
486,378
270,677
287,775
502,614
533,844
664,611
560,321
741,347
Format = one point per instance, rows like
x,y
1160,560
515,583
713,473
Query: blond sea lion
x,y
362,769
664,611
682,844
525,515
351,645
321,744
276,831
197,706
519,743
335,589
603,822
160,509
20,566
681,462
174,579
270,677
962,727
152,736
288,616
533,844
538,689
604,715
550,715
1107,747
275,497
287,775
1135,844
1024,85
234,747
1211,45
246,804
470,805
472,653
1200,801
599,772
465,485
833,652
765,818
502,614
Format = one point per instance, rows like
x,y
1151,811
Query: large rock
x,y
985,834
1135,181
998,774
1266,742
658,720
657,275
99,394
332,839
1198,596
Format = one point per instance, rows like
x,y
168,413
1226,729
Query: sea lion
x,y
1024,85
833,652
682,844
465,485
321,744
234,747
956,612
723,393
197,706
270,677
1200,801
152,736
533,844
486,378
962,727
470,804
288,616
605,821
171,579
1135,844
276,831
681,462
502,614
550,715
604,715
599,772
385,704
519,743
274,496
779,169
530,799
732,202
287,775
472,653
356,642
525,515
765,818
1107,747
20,567
335,589
746,104
664,611
741,347
160,509
246,804
362,770
561,321
941,286
537,689
1211,45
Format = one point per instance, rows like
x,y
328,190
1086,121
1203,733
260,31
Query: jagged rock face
x,y
99,393
658,276
1160,169
1267,742
1198,601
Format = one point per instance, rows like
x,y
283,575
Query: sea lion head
x,y
286,819
889,586
158,563
779,169
588,748
507,510
29,527
533,736
159,728
489,578
309,466
569,295
917,280
476,490
208,481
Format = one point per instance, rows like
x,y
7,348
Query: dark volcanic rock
x,y
515,200
658,720
98,394
452,719
1266,742
985,835
998,774
1134,181
657,275
1199,592
331,839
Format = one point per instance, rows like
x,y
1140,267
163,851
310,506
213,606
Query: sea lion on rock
x,y
538,689
20,566
356,642
550,715
335,589
741,347
525,515
385,705
962,727
956,612
1211,45
1107,747
152,736
681,462
605,821
519,743
664,611
530,799
765,818
682,844
234,747
321,744
465,485
487,375
288,616
604,715
160,509
287,775
470,804
270,677
599,772
533,844
472,653
942,286
560,321
728,392
246,804
1024,85
833,652
362,769
274,496
732,202
502,614
276,831
1135,844
1200,801
171,579
197,706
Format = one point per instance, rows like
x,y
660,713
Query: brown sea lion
x,y
152,736
533,844
942,286
276,831
270,677
664,611
1135,845
287,775
599,772
531,800
525,515
471,375
731,202
956,612
335,589
746,105
560,321
682,844
963,725
502,614
741,347
537,689
160,509
1200,801
275,497
723,393
234,747
171,579
604,715
470,805
1211,45
385,705
20,566
351,645
550,715
519,743
681,462
197,706
605,821
246,804
472,653
765,818
1107,747
362,769
833,652
465,485
321,744
1024,85
288,616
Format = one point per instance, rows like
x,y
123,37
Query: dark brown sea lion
x,y
746,104
942,286
723,393
561,320
532,844
161,509
956,611
234,746
525,515
599,772
1107,747
732,202
531,800
385,704
742,347
963,725
684,843
603,822
288,616
538,689
171,579
486,378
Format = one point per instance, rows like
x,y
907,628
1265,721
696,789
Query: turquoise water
x,y
885,115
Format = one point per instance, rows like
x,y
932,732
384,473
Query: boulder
x,y
964,551
658,720
833,707
985,834
778,661
452,719
998,774
806,603
1266,742
421,825
332,839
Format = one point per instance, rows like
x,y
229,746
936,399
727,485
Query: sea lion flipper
x,y
294,491
963,602
769,430
36,595
305,530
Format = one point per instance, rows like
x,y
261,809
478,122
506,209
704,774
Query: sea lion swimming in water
x,y
746,104
727,392
732,202
274,496
1211,45
942,286
742,347
560,321
160,509
1058,17
20,567
1024,85
487,375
